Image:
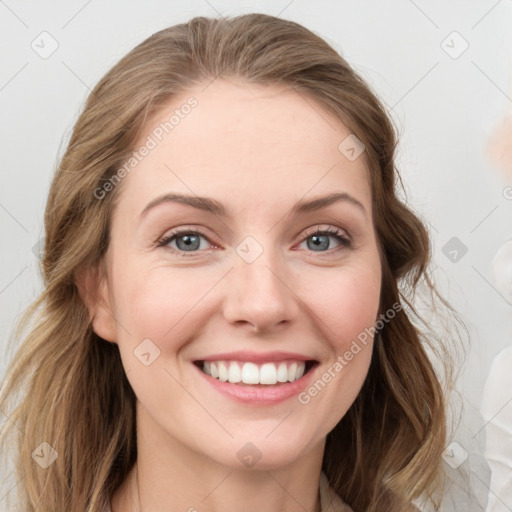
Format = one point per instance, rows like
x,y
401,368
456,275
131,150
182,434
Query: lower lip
x,y
259,394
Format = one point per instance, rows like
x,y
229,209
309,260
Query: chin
x,y
260,454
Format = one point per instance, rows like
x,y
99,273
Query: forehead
x,y
245,144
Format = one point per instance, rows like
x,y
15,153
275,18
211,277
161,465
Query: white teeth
x,y
282,373
268,374
235,373
223,371
250,373
292,372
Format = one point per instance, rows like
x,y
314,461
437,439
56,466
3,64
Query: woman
x,y
222,325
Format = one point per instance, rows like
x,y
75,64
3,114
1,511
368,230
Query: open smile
x,y
257,384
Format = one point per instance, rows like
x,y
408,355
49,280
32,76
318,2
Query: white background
x,y
446,109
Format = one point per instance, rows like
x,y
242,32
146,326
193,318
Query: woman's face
x,y
248,283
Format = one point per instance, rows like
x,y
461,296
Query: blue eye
x,y
321,238
189,241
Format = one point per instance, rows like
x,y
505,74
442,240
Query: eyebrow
x,y
217,208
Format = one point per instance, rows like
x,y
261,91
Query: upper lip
x,y
256,357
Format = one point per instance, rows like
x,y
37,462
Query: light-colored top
x,y
496,410
329,500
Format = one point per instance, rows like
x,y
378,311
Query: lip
x,y
256,357
258,394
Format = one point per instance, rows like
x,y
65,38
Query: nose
x,y
260,294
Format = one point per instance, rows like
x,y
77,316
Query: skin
x,y
499,148
257,150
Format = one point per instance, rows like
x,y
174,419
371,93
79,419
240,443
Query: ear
x,y
93,287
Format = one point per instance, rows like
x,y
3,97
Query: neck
x,y
233,503
169,476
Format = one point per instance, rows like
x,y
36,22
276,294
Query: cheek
x,y
158,303
346,302
347,307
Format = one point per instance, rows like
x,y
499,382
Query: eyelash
x,y
345,242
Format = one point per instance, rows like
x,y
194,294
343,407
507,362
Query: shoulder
x,y
331,502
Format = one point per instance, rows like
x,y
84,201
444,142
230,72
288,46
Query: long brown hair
x,y
386,451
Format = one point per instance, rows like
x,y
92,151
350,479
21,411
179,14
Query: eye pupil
x,y
319,243
188,241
